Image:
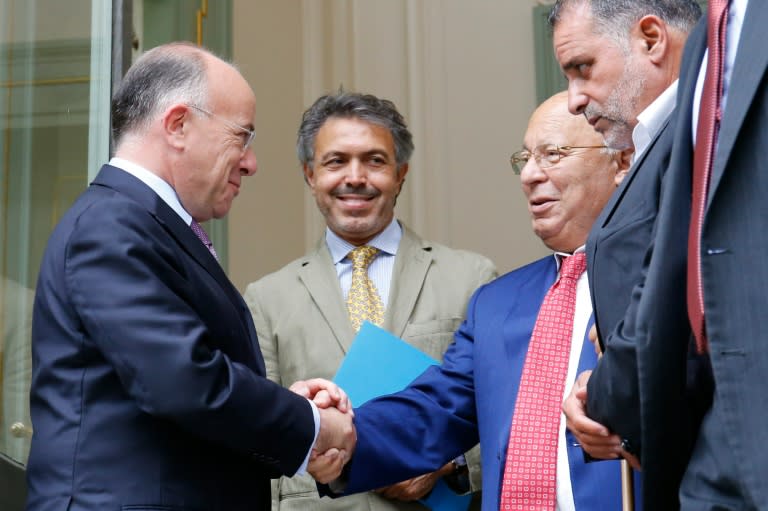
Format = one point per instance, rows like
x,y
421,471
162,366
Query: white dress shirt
x,y
651,119
158,185
582,314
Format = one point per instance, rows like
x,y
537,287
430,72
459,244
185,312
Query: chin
x,y
221,213
352,229
618,141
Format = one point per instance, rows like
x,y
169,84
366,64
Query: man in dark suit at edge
x,y
719,463
621,59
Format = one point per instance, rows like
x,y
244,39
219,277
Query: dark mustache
x,y
362,191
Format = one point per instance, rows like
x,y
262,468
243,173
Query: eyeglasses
x,y
545,155
248,133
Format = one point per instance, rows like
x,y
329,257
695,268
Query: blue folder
x,y
380,363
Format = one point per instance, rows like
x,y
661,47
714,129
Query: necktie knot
x,y
573,266
363,301
362,256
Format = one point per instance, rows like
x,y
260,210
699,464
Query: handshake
x,y
337,437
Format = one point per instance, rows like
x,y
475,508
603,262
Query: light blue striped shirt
x,y
380,270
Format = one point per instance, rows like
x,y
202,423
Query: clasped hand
x,y
337,436
596,439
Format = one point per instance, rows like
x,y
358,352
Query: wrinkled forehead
x,y
228,88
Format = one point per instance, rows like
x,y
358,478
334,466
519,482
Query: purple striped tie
x,y
198,229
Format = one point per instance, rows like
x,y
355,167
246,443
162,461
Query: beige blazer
x,y
304,332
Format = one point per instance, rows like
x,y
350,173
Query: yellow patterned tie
x,y
363,301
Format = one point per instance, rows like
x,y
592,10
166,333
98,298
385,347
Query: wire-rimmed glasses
x,y
250,134
545,155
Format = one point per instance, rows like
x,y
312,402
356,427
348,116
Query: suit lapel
x,y
413,259
681,159
613,203
132,187
526,294
619,194
412,262
318,275
746,76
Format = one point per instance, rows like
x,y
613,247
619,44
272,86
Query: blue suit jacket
x,y
148,388
471,397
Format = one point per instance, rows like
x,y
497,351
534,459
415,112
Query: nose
x,y
531,173
248,163
577,100
356,172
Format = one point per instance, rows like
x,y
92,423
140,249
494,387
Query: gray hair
x,y
615,18
162,76
346,105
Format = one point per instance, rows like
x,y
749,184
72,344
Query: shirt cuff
x,y
316,414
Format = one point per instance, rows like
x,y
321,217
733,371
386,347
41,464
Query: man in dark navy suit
x,y
715,460
148,387
621,59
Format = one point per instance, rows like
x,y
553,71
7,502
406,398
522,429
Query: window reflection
x,y
45,59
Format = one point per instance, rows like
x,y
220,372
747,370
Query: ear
x,y
401,172
652,32
309,176
176,124
624,161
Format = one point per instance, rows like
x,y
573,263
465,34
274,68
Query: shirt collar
x,y
559,256
386,241
651,119
158,185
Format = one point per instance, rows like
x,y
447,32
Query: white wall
x,y
461,72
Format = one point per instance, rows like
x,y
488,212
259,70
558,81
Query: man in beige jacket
x,y
354,150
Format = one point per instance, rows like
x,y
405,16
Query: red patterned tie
x,y
703,156
531,463
200,232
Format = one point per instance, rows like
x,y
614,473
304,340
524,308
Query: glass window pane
x,y
46,109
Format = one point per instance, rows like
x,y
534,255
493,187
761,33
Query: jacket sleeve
x,y
177,342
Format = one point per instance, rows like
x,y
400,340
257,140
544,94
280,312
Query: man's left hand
x,y
593,437
416,488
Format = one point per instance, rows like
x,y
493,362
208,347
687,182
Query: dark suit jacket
x,y
472,395
615,249
148,388
734,240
